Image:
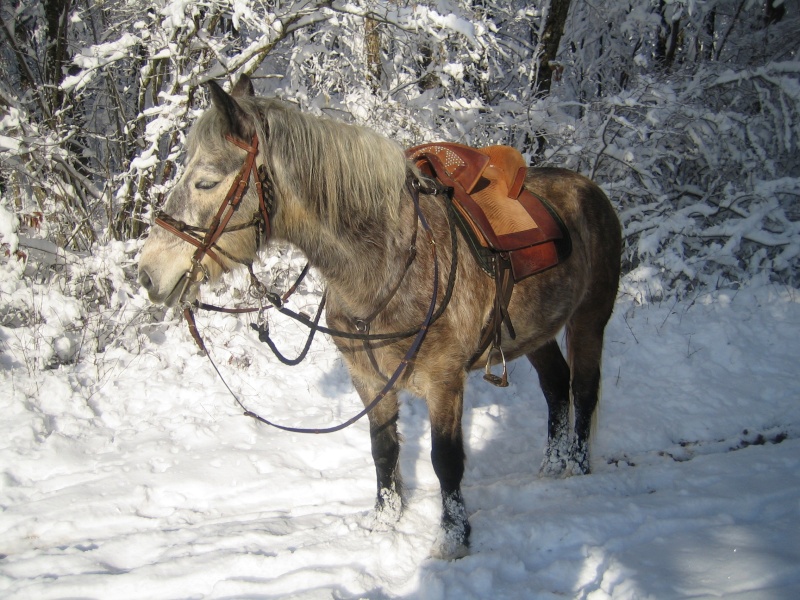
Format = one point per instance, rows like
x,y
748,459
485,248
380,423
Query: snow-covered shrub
x,y
704,171
685,112
58,306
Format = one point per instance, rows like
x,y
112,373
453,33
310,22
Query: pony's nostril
x,y
145,281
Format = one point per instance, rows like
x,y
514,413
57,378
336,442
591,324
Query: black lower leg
x,y
447,455
386,455
554,377
585,390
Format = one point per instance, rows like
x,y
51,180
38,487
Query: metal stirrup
x,y
499,381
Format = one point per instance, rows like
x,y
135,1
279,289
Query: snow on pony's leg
x,y
388,510
554,379
452,541
565,457
556,463
578,463
385,445
447,456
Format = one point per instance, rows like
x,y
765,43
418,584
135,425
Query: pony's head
x,y
213,163
330,182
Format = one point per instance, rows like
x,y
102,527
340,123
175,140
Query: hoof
x,y
554,465
451,544
388,510
452,541
579,459
558,464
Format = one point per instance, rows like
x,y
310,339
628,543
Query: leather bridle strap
x,y
166,222
227,208
231,202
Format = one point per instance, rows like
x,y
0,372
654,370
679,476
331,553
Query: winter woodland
x,y
686,112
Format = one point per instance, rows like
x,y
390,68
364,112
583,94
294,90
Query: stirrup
x,y
499,381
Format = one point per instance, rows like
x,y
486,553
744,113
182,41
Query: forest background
x,y
126,469
687,112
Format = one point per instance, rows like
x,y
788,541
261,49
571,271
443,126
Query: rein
x,y
401,367
206,245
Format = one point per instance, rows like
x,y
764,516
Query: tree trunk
x,y
547,49
56,14
549,42
372,38
710,31
668,35
773,14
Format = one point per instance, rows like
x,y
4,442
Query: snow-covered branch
x,y
695,139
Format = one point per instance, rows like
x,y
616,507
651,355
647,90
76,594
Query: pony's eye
x,y
206,185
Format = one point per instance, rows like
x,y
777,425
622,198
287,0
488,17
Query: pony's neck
x,y
342,199
361,265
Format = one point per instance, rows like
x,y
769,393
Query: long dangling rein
x,y
198,273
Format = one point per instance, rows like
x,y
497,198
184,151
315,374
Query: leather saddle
x,y
512,233
494,207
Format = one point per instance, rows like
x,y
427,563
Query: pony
x,y
340,193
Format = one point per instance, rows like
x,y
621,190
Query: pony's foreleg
x,y
447,456
554,377
385,444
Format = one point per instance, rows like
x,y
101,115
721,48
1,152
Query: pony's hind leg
x,y
585,331
554,379
385,442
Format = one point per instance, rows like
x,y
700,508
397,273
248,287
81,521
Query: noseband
x,y
206,245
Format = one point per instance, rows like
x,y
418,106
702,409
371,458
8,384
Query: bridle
x,y
206,245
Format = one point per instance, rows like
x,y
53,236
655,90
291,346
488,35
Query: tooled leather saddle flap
x,y
490,197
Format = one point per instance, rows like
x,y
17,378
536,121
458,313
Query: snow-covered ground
x,y
133,474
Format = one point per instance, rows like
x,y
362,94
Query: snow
x,y
133,474
9,144
8,229
447,21
128,471
99,55
146,160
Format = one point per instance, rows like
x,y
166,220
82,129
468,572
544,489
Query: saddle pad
x,y
490,198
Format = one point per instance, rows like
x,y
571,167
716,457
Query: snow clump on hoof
x,y
451,543
388,510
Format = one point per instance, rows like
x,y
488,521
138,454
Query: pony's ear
x,y
238,120
243,87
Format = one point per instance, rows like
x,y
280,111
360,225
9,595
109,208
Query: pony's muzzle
x,y
145,280
154,292
182,292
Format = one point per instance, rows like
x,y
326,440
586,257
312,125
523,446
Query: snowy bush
x,y
707,192
58,306
686,113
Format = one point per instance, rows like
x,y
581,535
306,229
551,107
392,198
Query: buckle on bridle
x,y
191,278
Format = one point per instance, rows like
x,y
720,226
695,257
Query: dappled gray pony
x,y
341,194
